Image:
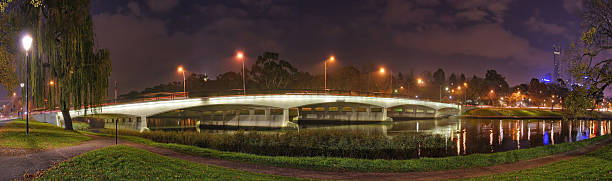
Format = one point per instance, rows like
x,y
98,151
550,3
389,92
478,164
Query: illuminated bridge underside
x,y
336,108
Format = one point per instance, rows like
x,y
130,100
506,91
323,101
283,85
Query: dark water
x,y
465,136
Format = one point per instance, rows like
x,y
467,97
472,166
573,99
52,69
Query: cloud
x,y
134,8
496,9
536,25
472,15
485,40
572,6
428,2
400,12
162,5
147,45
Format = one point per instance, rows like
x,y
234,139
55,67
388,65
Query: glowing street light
x,y
51,83
181,70
240,56
330,59
420,82
382,71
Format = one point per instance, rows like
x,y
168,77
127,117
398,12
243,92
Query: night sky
x,y
149,39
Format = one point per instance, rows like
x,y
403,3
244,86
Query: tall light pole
x,y
181,70
27,44
382,71
331,59
240,56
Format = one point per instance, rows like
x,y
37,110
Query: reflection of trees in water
x,y
465,135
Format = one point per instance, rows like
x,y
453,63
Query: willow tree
x,y
64,51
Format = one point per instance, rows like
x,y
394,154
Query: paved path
x,y
16,166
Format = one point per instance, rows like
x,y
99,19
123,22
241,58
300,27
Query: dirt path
x,y
16,166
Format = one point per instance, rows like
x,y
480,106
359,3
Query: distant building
x,y
556,62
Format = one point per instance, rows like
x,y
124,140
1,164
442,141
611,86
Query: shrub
x,y
308,143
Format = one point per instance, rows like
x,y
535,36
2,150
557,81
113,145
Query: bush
x,y
307,143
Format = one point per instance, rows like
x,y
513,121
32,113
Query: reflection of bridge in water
x,y
278,110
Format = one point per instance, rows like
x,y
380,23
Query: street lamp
x,y
240,56
491,96
330,59
382,71
181,70
27,44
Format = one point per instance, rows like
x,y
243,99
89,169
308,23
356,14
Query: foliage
x,y
42,136
269,72
64,48
351,164
578,101
588,67
307,143
592,166
127,163
8,66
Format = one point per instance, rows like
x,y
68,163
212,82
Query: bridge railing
x,y
238,92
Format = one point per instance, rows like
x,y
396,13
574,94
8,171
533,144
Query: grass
x,y
512,112
127,163
591,166
42,136
367,165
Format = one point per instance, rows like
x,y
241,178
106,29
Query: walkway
x,y
16,166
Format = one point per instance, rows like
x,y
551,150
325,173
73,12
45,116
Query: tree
x,y
439,77
577,102
537,91
452,80
271,73
8,67
63,51
594,75
495,81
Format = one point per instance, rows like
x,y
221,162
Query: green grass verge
x,y
592,166
127,163
366,165
42,136
512,112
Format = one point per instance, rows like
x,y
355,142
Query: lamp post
x,y
382,71
240,56
331,59
27,44
491,96
181,70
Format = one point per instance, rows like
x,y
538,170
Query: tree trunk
x,y
67,118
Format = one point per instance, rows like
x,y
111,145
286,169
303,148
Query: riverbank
x,y
42,136
595,165
129,163
378,165
525,113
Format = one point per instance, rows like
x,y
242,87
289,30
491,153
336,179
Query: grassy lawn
x,y
367,165
592,166
512,112
127,163
42,136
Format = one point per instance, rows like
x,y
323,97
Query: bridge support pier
x,y
285,117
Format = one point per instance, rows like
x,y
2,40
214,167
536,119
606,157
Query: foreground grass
x,y
127,163
366,165
592,166
512,112
42,136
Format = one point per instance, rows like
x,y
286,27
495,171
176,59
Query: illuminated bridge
x,y
277,110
